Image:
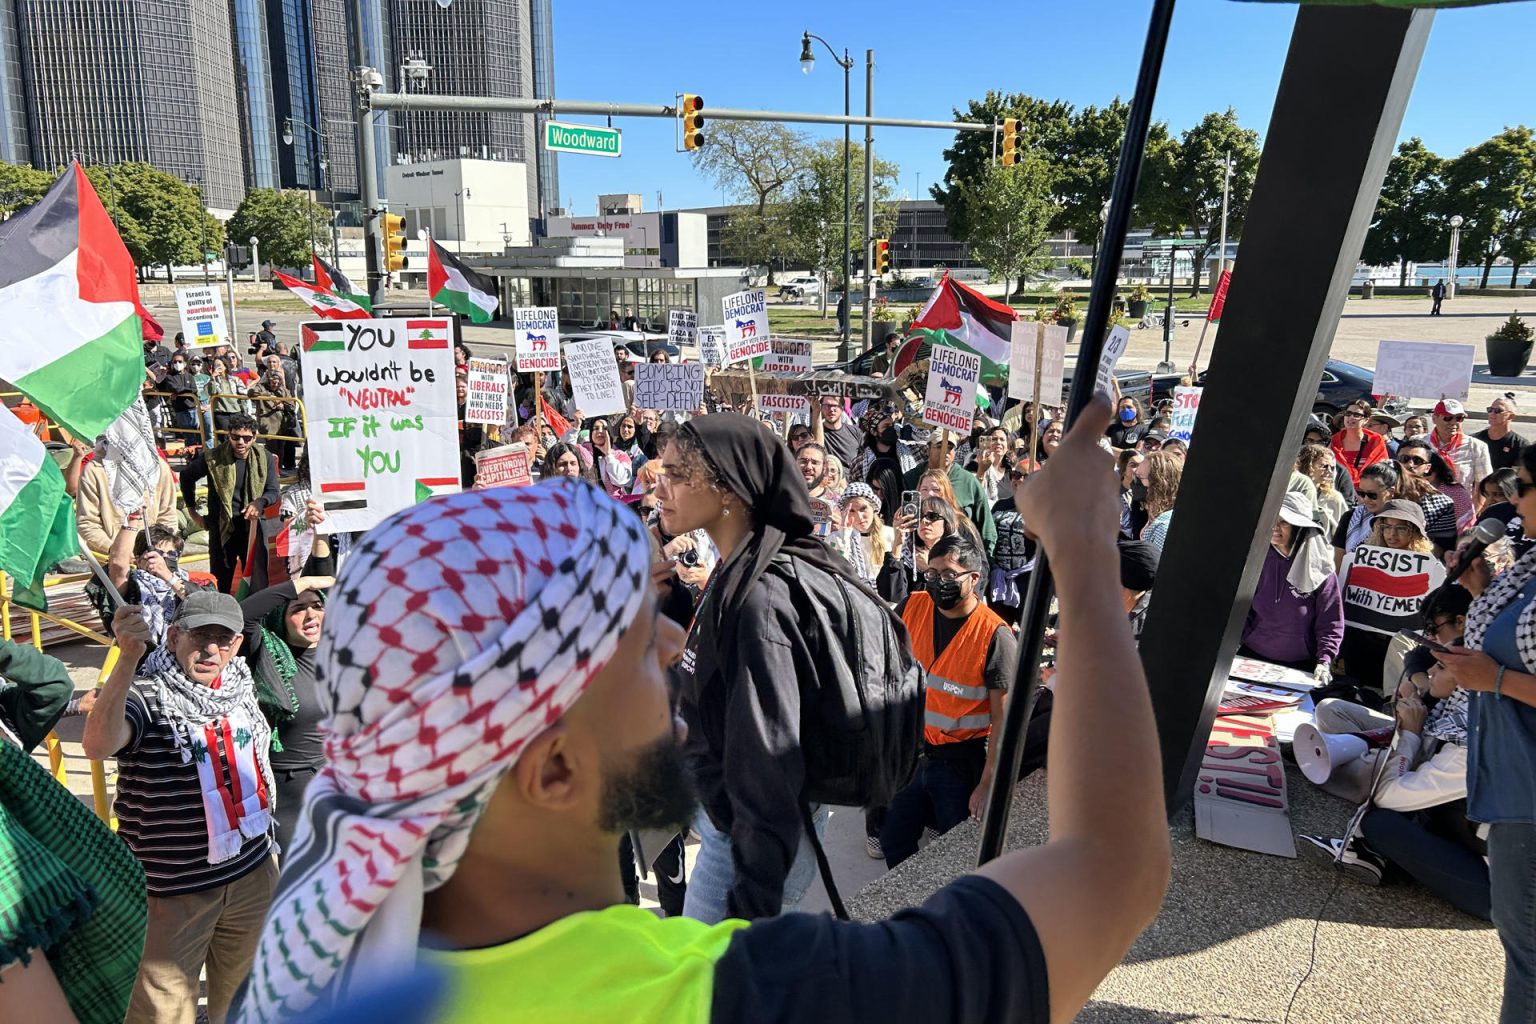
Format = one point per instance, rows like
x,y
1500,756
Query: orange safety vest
x,y
959,706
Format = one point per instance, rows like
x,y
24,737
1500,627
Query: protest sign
x,y
1423,369
594,377
790,404
950,401
1027,342
1114,347
683,327
1383,587
746,325
507,466
202,316
1240,795
712,346
536,333
1186,405
381,416
786,356
675,386
489,388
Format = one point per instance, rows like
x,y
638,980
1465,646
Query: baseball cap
x,y
1450,407
208,608
1155,435
1399,508
269,323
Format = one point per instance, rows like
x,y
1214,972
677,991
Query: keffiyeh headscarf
x,y
458,631
1504,589
1448,721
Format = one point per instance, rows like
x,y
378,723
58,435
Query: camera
x,y
688,557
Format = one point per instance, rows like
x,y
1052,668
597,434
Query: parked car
x,y
799,289
1341,383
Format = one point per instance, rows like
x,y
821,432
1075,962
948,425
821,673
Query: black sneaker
x,y
1354,860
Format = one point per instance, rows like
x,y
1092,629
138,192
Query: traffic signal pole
x,y
869,194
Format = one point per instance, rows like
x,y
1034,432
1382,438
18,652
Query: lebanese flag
x,y
323,302
452,284
69,300
962,318
331,279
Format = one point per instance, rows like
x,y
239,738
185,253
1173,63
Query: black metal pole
x,y
1037,603
1173,262
843,352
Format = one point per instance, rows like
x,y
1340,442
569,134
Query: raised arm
x,y
106,728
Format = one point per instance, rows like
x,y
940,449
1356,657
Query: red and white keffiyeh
x,y
458,631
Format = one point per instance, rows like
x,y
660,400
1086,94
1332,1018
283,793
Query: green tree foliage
x,y
814,210
1085,168
1493,186
1409,225
1047,129
162,220
20,186
1009,211
754,163
282,220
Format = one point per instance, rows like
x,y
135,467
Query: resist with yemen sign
x,y
537,333
1383,587
746,326
950,401
202,316
381,415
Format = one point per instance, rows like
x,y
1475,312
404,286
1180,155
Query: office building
x,y
311,86
254,72
470,206
15,148
675,238
541,19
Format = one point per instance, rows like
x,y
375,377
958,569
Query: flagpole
x,y
101,574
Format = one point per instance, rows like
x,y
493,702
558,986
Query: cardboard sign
x,y
537,333
1423,369
712,346
381,415
202,316
507,466
683,327
791,404
786,356
746,326
595,383
1186,406
675,386
1114,347
489,392
950,401
1240,792
1383,587
1029,340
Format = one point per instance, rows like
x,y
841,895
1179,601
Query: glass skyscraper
x,y
543,33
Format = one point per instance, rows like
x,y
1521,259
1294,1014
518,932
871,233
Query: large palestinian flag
x,y
962,318
452,284
37,517
71,337
323,302
331,279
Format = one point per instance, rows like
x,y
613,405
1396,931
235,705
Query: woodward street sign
x,y
581,138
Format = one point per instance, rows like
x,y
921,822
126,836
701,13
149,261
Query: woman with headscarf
x,y
740,677
1297,615
616,473
863,538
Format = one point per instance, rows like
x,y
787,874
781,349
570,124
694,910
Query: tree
x,y
814,211
1047,128
1493,186
1085,168
160,218
21,186
754,162
1409,224
1181,187
1010,210
282,220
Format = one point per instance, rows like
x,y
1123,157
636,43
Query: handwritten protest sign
x,y
675,386
507,466
746,325
712,346
202,316
1186,406
1114,347
791,404
594,377
1383,587
1026,343
683,327
950,401
381,415
489,387
536,330
1240,795
786,356
1423,369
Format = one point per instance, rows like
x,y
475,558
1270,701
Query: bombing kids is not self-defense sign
x,y
678,387
537,333
746,326
488,392
950,402
381,415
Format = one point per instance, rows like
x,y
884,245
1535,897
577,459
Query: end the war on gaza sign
x,y
746,326
537,333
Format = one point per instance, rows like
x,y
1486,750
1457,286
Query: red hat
x,y
1450,407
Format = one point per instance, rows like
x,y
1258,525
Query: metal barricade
x,y
298,403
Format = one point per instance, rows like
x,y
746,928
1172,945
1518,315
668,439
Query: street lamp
x,y
807,64
1456,223
289,124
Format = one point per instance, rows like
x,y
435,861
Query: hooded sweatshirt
x,y
1286,626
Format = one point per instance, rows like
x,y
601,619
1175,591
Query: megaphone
x,y
1320,754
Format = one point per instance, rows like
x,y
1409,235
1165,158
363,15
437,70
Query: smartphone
x,y
909,502
1421,640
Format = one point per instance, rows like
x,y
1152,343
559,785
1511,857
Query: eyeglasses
x,y
1399,528
1354,414
222,638
932,517
948,575
1412,460
1369,495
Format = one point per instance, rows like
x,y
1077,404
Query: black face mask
x,y
947,594
1138,492
888,437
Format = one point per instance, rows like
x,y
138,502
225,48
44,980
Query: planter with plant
x,y
883,321
1509,347
1065,314
1137,302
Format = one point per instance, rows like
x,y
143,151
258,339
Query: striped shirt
x,y
160,809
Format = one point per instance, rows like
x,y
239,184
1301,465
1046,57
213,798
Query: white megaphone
x,y
1320,754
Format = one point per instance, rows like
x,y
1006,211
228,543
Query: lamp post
x,y
1450,285
202,216
807,64
323,163
461,195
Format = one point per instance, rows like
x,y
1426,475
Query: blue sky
x,y
931,57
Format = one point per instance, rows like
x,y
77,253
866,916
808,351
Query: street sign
x,y
592,140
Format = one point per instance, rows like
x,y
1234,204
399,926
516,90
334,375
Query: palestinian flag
x,y
37,516
322,338
69,300
432,486
324,303
334,281
962,318
452,284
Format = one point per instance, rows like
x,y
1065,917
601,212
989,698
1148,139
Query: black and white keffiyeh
x,y
1492,601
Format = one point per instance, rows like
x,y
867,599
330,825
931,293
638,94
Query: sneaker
x,y
1354,860
872,847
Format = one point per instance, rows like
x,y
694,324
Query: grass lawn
x,y
806,321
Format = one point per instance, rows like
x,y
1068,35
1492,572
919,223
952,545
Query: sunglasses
x,y
1018,474
1354,414
932,517
1494,410
1455,419
1371,495
1522,488
1413,460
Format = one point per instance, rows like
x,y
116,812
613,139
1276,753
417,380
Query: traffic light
x,y
693,121
393,227
1010,141
882,255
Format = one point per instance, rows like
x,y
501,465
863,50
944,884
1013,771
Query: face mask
x,y
888,437
945,593
1138,491
1127,415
